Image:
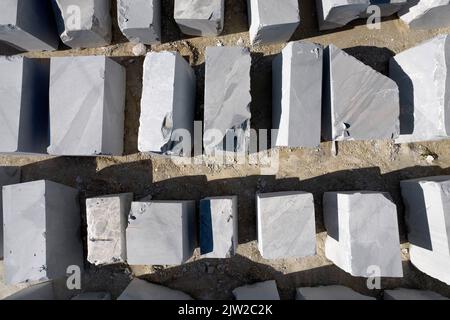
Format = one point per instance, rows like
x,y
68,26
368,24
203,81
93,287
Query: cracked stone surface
x,y
359,103
161,232
27,25
423,76
272,21
84,23
362,232
88,121
41,231
286,225
140,20
200,17
8,175
266,290
429,14
297,95
144,290
227,99
411,294
218,227
167,105
330,293
107,219
427,206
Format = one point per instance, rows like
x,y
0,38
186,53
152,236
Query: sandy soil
x,y
375,166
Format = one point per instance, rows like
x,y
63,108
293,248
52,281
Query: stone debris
x,y
363,235
143,290
88,121
411,294
199,17
40,291
330,293
87,296
8,176
297,95
428,14
167,105
266,290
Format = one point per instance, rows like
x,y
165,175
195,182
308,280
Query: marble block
x,y
260,291
40,291
200,17
330,293
8,175
411,294
429,14
143,290
94,296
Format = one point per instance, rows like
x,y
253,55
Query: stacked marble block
x,y
426,14
424,90
362,233
41,231
411,294
8,176
329,293
266,290
143,290
427,203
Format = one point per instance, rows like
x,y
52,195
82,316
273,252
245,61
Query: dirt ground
x,y
377,165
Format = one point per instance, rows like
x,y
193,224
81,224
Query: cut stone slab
x,y
429,14
359,103
24,85
8,175
297,95
107,220
87,296
363,233
199,17
140,20
411,294
286,225
266,290
143,290
88,121
41,230
272,21
330,293
168,103
334,14
41,291
161,232
424,90
427,206
28,25
219,227
227,100
84,23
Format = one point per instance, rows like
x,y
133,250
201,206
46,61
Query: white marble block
x,y
260,291
143,290
427,206
200,17
8,175
107,220
426,14
218,227
167,105
411,294
87,103
161,232
363,236
41,230
330,293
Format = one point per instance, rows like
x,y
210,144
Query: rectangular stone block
x,y
297,95
286,225
161,232
427,206
28,25
167,105
40,291
411,294
219,227
140,20
199,17
424,90
363,235
272,21
107,220
227,100
330,293
41,230
144,290
24,84
83,23
93,296
88,121
426,14
266,290
8,175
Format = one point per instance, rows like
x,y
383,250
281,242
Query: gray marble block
x,y
428,14
261,291
87,103
93,296
24,84
41,231
8,175
140,20
28,25
423,76
297,95
107,220
359,103
427,207
330,293
286,225
363,235
40,291
167,104
227,100
200,17
411,294
143,290
219,227
161,232
272,21
84,23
